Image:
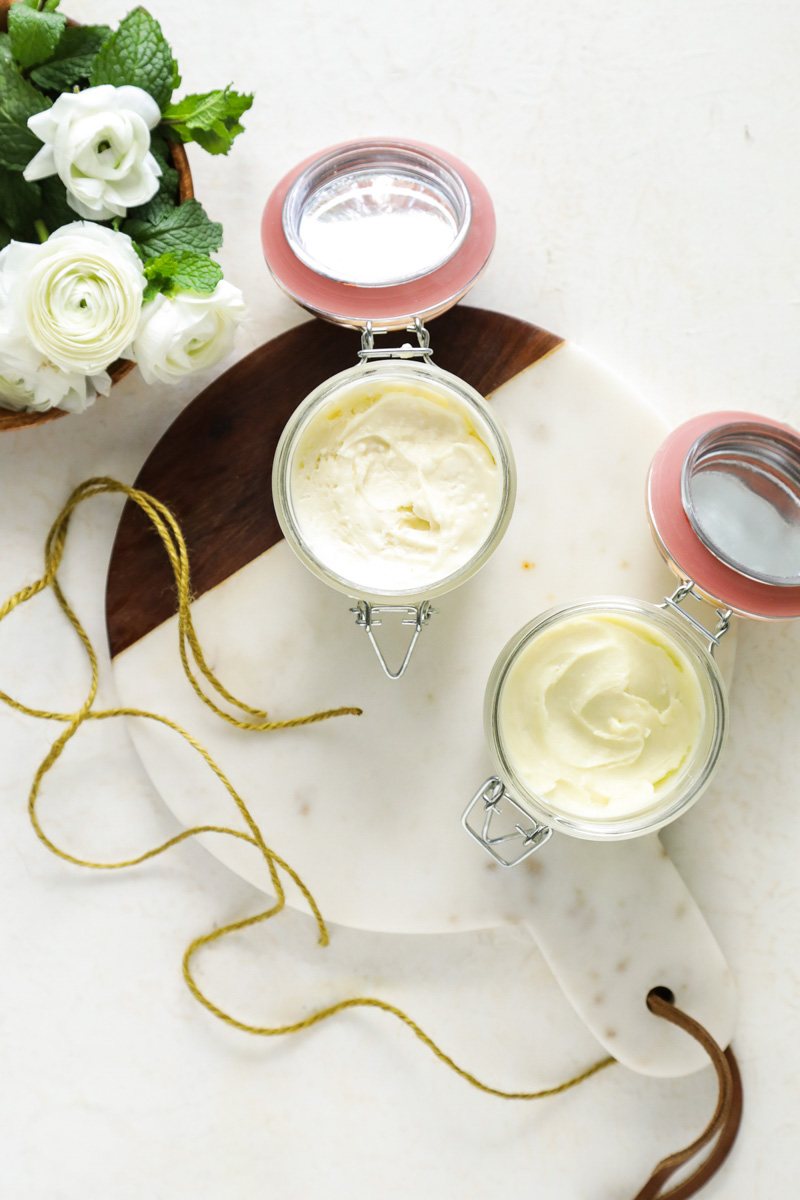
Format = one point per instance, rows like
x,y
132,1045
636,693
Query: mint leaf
x,y
196,110
73,58
210,119
18,101
20,204
55,209
217,139
186,227
159,148
34,35
183,272
138,54
5,48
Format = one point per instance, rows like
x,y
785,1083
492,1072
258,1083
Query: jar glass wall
x,y
674,795
445,389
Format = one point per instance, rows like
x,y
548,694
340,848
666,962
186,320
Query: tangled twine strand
x,y
193,660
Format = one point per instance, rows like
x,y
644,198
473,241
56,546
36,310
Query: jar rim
x,y
413,169
394,306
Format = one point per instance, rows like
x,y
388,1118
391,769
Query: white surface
x,y
641,161
385,791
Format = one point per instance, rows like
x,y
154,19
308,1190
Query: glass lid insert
x,y
740,487
376,214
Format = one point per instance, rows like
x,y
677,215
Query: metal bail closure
x,y
674,603
368,617
526,838
422,350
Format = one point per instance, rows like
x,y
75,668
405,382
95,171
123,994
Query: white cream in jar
x,y
601,714
392,485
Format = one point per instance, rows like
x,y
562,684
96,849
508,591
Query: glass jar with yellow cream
x,y
393,481
606,718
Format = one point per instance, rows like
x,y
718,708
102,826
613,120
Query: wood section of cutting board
x,y
368,808
214,465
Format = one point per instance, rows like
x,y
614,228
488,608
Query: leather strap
x,y
724,1124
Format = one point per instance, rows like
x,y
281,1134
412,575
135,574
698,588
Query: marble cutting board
x,y
368,809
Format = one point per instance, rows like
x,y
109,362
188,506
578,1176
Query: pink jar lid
x,y
381,230
723,499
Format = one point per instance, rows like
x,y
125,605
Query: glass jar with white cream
x,y
606,718
393,481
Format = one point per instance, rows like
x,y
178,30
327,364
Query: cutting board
x,y
368,808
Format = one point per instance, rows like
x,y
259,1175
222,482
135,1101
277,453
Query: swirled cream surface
x,y
392,485
600,715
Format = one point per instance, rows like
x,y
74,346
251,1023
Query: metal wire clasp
x,y
368,616
713,636
528,837
421,350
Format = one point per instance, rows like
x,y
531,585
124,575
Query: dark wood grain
x,y
213,465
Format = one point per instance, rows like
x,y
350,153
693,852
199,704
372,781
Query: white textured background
x,y
643,163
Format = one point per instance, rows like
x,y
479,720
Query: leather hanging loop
x,y
724,1124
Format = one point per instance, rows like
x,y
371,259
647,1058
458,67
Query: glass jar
x,y
724,507
416,375
380,235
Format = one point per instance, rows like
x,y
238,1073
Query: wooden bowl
x,y
10,418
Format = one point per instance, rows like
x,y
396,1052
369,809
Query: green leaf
x,y
159,148
34,35
73,59
20,204
138,54
55,209
211,119
186,227
19,100
218,139
183,272
5,48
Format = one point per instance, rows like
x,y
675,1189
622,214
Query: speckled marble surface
x,y
369,808
641,165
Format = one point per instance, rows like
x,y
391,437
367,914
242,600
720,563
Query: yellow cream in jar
x,y
600,715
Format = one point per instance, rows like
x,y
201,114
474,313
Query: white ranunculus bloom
x,y
187,332
98,142
29,380
68,308
47,387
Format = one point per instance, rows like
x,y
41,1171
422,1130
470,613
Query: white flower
x,y
50,388
68,308
187,332
98,142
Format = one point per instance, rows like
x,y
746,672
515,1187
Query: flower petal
x,y
41,165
